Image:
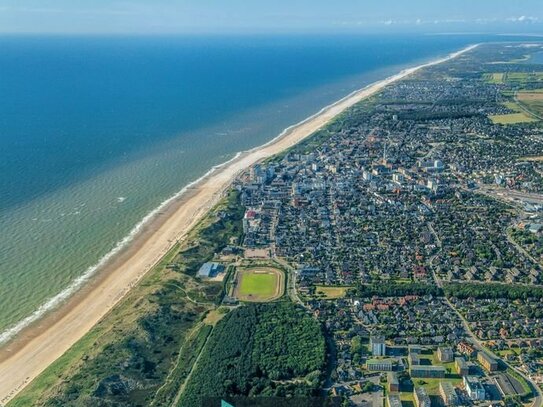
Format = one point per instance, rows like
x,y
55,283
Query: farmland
x,y
512,118
532,100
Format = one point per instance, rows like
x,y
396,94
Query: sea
x,y
96,132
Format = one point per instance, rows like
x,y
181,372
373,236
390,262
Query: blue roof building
x,y
210,270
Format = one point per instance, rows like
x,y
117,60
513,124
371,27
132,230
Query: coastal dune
x,y
36,347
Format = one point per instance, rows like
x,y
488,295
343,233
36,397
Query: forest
x,y
397,290
274,349
492,291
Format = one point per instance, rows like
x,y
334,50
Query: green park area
x,y
331,292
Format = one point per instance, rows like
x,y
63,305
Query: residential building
x,y
427,371
393,382
393,400
367,176
378,346
487,361
448,393
413,359
380,365
462,367
445,354
466,348
421,397
415,349
474,388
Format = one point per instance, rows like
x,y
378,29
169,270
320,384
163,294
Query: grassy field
x,y
525,386
506,352
432,385
514,78
259,284
331,292
532,100
524,77
407,398
513,106
512,118
497,78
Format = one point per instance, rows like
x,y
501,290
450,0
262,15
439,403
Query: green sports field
x,y
259,284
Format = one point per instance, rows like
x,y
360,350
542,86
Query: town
x,y
392,258
390,214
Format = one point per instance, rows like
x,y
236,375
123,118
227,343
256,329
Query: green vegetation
x,y
331,292
524,78
532,242
497,78
532,100
189,352
271,349
514,78
449,366
213,236
432,385
526,389
258,284
492,291
129,354
398,290
358,349
513,106
511,118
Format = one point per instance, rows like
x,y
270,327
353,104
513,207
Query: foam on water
x,y
53,302
46,257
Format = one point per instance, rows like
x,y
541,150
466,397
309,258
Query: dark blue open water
x,y
96,132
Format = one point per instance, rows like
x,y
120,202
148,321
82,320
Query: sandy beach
x,y
35,348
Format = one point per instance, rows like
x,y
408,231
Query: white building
x,y
474,388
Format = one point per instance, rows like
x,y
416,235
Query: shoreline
x,y
34,347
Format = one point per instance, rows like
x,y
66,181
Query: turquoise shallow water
x,y
96,132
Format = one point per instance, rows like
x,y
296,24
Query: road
x,y
292,291
538,399
521,249
477,344
438,281
525,109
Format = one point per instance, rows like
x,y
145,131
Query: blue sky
x,y
255,16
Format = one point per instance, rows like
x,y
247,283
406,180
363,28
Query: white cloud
x,y
523,19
